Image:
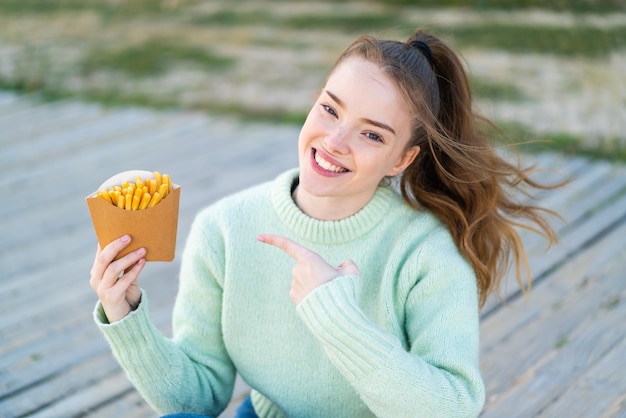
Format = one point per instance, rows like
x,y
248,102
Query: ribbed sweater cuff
x,y
354,344
134,330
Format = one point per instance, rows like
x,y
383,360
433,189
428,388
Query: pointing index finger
x,y
289,246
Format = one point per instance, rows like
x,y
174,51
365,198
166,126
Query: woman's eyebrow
x,y
366,120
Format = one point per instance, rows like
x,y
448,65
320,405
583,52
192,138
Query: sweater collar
x,y
327,232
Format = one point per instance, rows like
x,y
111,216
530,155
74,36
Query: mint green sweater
x,y
400,340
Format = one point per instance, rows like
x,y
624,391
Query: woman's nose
x,y
338,140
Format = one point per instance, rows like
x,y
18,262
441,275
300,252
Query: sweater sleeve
x,y
192,371
437,375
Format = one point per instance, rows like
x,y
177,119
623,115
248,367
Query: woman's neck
x,y
326,208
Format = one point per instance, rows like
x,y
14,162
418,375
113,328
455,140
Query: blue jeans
x,y
245,410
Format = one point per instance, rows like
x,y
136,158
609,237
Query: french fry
x,y
157,178
163,190
145,200
136,202
140,194
156,198
116,198
166,180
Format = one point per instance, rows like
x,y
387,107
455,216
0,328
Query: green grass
x,y
153,57
235,110
134,7
267,115
345,23
107,8
575,41
597,6
561,342
611,303
230,18
50,92
485,89
578,40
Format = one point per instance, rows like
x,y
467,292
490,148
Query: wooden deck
x,y
559,353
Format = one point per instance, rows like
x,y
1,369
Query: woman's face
x,y
356,133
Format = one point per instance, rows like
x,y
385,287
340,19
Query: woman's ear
x,y
404,161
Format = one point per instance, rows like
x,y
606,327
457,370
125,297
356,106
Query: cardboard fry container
x,y
152,228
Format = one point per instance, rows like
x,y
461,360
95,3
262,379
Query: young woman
x,y
330,291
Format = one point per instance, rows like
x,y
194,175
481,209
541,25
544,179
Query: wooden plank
x,y
60,385
566,282
574,202
76,405
69,140
600,193
50,118
25,368
573,238
561,201
600,391
577,236
59,352
553,168
64,360
7,99
534,341
580,344
554,308
15,106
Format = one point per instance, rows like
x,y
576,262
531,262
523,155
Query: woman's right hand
x,y
116,282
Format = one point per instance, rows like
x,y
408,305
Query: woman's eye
x,y
329,110
374,136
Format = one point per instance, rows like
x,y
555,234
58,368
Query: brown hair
x,y
458,175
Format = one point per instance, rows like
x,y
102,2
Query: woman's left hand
x,y
311,270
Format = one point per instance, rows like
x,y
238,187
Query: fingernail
x,y
141,251
125,238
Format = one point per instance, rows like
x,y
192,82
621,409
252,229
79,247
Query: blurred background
x,y
234,80
549,70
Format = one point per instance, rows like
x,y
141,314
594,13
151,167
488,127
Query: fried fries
x,y
142,194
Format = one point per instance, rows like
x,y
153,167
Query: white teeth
x,y
326,165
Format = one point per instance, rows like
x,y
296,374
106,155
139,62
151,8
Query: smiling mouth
x,y
327,165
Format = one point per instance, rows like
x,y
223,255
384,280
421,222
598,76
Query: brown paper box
x,y
152,228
